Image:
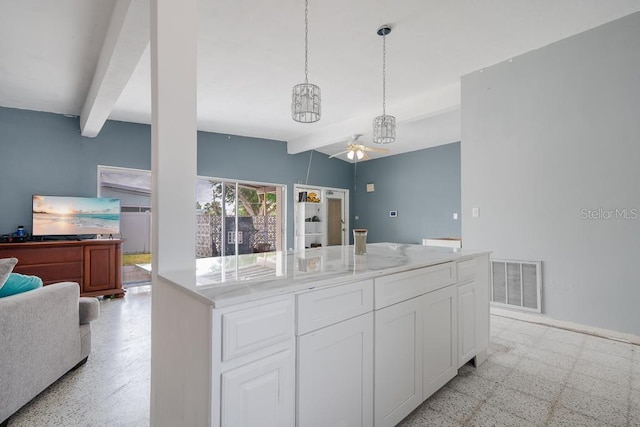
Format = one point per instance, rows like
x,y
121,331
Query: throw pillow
x,y
6,267
18,283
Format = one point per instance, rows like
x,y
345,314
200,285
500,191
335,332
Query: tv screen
x,y
68,216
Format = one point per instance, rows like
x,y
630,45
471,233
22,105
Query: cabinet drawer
x,y
326,307
466,270
251,329
29,254
403,286
52,273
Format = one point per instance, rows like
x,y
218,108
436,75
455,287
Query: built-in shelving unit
x,y
321,216
310,220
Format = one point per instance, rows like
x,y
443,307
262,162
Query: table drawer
x,y
256,327
325,307
403,286
466,270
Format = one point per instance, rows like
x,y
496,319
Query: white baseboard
x,y
561,324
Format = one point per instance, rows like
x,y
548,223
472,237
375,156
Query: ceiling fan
x,y
358,151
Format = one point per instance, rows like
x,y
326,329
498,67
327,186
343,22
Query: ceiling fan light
x,y
350,155
305,103
359,154
384,129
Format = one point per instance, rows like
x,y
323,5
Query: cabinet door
x,y
99,268
398,361
482,283
260,394
466,322
439,339
335,375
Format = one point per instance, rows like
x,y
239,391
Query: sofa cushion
x,y
18,283
6,267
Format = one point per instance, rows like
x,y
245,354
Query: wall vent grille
x,y
516,284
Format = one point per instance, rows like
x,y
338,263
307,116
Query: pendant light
x,y
305,100
384,126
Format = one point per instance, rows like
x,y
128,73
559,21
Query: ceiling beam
x,y
126,40
419,107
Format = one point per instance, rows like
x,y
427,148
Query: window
x,y
249,214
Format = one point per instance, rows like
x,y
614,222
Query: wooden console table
x,y
96,265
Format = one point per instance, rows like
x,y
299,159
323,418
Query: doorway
x,y
335,218
321,216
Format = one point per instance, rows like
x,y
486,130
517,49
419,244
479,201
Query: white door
x,y
260,394
335,375
398,362
439,339
466,322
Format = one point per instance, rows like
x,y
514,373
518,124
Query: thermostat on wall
x,y
393,214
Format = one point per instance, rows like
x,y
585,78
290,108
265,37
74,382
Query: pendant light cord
x,y
306,39
309,168
384,75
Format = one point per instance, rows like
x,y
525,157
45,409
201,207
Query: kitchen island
x,y
321,337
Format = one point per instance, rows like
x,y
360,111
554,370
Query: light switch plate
x,y
475,212
393,214
371,188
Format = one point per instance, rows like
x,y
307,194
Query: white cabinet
x,y
416,349
260,394
253,364
473,309
354,350
439,339
321,308
409,284
398,361
335,375
466,322
482,282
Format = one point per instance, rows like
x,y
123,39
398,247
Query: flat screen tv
x,y
75,216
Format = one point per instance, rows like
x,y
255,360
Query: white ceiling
x,y
91,59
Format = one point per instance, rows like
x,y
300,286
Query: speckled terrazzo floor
x,y
112,388
540,376
535,376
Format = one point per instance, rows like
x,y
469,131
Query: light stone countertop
x,y
230,280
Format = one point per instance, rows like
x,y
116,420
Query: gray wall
x,y
552,133
43,153
252,159
423,186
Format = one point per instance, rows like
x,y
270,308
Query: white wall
x,y
551,133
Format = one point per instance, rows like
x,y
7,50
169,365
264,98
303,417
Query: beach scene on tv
x,y
59,215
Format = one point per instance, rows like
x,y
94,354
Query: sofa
x,y
44,333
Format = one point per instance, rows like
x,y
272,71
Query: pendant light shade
x,y
305,103
384,129
305,98
384,126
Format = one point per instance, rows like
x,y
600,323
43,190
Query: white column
x,y
173,132
177,394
